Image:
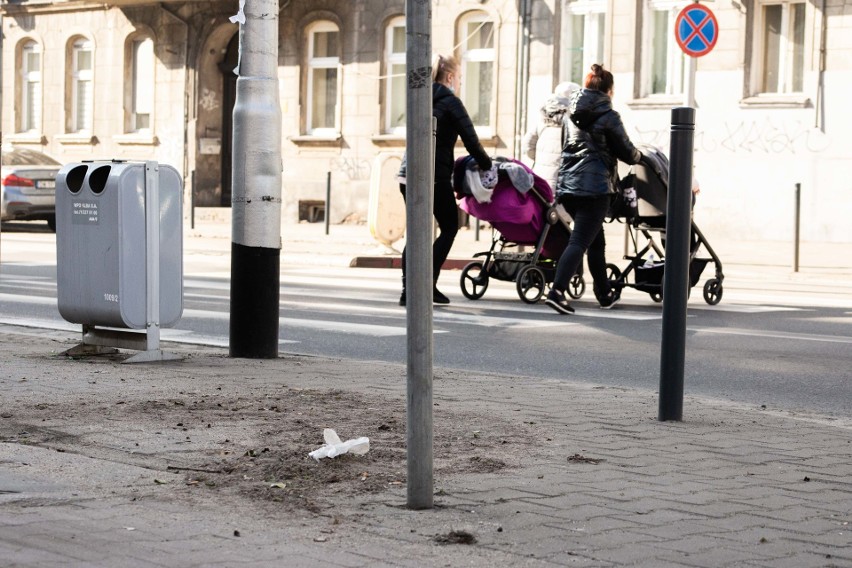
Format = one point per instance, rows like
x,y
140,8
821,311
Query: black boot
x,y
402,296
437,297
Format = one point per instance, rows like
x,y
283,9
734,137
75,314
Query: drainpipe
x,y
819,119
522,88
187,99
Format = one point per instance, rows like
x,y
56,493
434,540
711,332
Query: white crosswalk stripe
x,y
368,304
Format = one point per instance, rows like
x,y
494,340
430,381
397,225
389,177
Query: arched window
x,y
477,51
141,85
81,87
395,85
323,64
31,87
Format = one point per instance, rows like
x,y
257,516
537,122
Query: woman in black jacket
x,y
453,121
595,140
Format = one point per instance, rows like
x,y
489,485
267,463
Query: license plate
x,y
45,184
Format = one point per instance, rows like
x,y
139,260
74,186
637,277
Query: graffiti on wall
x,y
352,169
766,136
208,100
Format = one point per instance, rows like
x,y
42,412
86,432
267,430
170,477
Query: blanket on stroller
x,y
518,215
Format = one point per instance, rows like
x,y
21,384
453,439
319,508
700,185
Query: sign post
x,y
696,32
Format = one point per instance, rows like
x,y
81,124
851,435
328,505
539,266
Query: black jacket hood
x,y
587,106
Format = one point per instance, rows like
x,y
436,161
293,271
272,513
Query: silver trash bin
x,y
101,244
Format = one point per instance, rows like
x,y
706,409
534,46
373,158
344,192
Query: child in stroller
x,y
649,180
519,206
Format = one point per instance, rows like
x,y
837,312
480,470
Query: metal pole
x,y
256,187
2,67
418,257
192,200
676,275
327,200
796,222
521,88
152,256
689,87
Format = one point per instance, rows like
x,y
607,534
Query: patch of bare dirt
x,y
267,460
281,471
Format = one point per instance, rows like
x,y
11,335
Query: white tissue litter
x,y
240,16
334,447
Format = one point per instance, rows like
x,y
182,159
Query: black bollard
x,y
676,275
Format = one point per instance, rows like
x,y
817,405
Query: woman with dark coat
x,y
453,121
595,140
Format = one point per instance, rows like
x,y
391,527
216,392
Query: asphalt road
x,y
772,354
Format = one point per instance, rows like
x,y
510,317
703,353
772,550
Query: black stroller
x,y
519,219
649,179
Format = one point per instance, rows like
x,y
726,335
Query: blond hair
x,y
443,65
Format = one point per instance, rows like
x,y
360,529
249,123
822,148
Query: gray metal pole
x,y
327,200
689,88
152,256
2,66
796,222
420,174
192,200
256,187
676,275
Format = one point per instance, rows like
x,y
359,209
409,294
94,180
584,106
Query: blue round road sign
x,y
696,30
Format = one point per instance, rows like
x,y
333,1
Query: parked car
x,y
28,186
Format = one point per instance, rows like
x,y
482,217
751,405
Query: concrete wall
x,y
749,156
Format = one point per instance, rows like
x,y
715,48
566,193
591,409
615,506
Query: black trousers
x,y
445,210
586,235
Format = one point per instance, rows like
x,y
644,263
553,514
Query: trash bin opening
x,y
74,178
98,179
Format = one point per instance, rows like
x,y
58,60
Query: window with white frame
x,y
395,86
31,87
142,83
582,38
782,53
82,65
476,46
663,62
323,79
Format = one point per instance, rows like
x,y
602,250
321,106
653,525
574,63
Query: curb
x,y
396,262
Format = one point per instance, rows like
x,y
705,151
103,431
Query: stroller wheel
x,y
713,291
657,296
613,273
530,284
474,280
576,286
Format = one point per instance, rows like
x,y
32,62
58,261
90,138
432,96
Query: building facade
x,y
128,79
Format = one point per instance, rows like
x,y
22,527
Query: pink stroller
x,y
518,219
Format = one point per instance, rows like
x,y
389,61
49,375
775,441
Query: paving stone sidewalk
x,y
579,475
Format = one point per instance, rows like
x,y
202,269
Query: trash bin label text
x,y
84,213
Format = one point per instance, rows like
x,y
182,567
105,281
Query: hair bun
x,y
597,69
